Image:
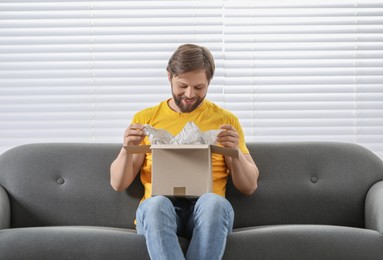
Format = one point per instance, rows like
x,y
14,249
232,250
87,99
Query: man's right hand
x,y
134,134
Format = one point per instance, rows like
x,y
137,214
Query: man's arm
x,y
244,172
126,166
243,169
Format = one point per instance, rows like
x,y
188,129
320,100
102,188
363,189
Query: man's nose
x,y
189,93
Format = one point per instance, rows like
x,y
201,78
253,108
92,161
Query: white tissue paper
x,y
190,134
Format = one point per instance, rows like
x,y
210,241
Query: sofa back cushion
x,y
307,183
300,183
66,184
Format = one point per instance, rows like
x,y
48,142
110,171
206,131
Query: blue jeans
x,y
206,222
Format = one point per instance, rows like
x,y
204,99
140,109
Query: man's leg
x,y
212,220
156,219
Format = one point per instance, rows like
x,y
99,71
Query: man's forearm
x,y
121,171
244,173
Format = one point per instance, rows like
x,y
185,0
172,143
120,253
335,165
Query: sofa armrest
x,y
374,208
5,209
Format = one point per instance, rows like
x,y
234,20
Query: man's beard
x,y
187,108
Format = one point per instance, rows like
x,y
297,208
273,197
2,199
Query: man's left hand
x,y
229,137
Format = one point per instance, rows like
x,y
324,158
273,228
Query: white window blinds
x,y
77,71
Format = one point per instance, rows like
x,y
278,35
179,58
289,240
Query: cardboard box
x,y
181,170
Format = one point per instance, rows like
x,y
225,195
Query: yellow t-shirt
x,y
208,116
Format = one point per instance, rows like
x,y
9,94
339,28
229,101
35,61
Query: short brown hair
x,y
191,57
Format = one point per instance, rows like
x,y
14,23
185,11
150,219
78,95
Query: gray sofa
x,y
315,200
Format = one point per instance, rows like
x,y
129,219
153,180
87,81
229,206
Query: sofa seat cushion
x,y
295,242
74,242
71,242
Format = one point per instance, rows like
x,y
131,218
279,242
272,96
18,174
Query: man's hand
x,y
229,137
134,134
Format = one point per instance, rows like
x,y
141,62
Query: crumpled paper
x,y
190,134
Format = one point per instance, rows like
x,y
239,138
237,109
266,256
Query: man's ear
x,y
169,77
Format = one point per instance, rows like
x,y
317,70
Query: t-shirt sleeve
x,y
242,142
135,119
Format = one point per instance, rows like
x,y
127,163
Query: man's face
x,y
189,90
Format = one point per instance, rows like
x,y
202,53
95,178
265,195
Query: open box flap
x,y
224,151
179,146
132,149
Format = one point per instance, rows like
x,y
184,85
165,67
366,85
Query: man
x,y
208,220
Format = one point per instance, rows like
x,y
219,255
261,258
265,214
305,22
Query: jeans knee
x,y
214,204
154,209
156,204
214,213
